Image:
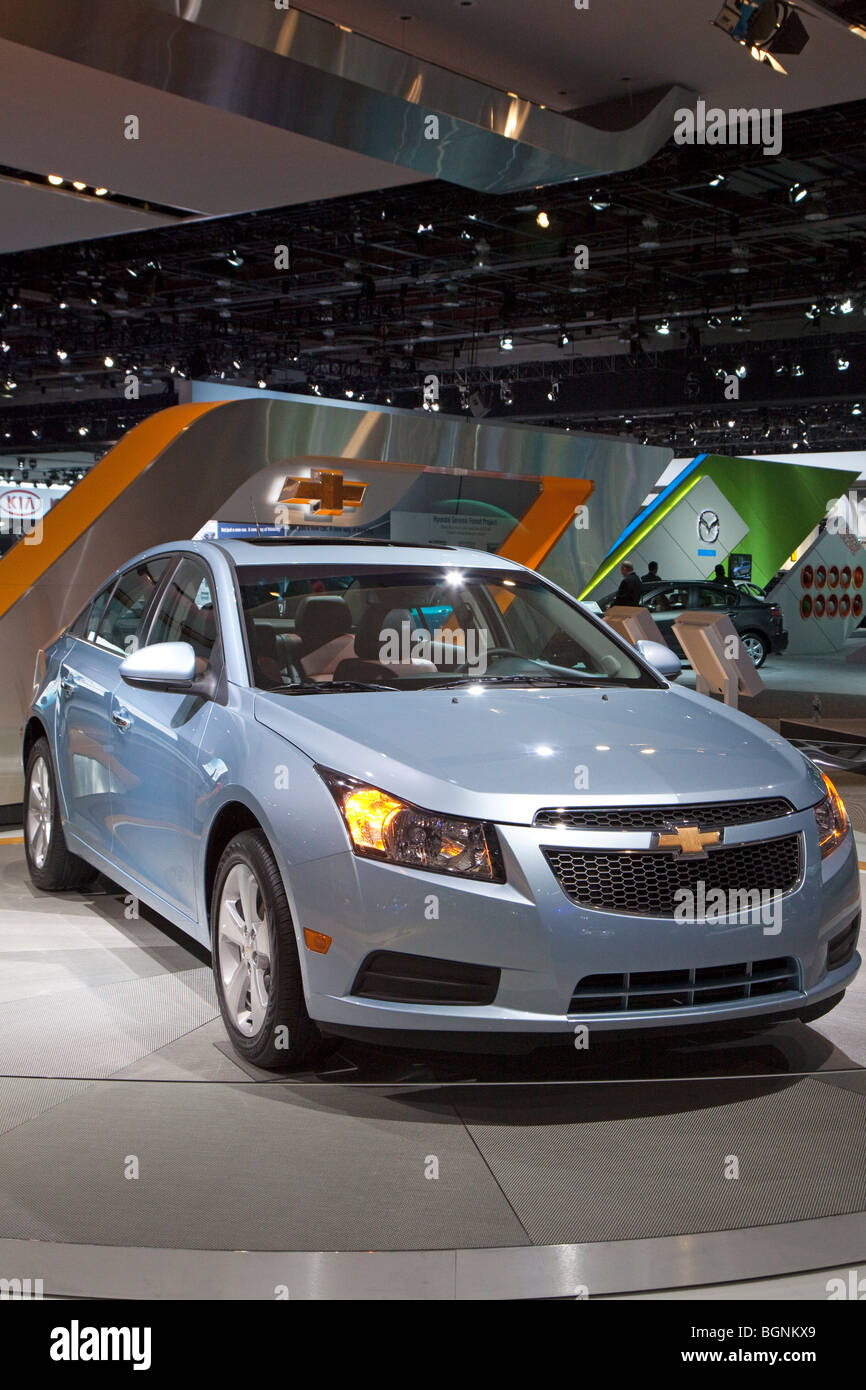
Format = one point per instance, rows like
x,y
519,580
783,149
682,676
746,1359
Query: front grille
x,y
709,815
405,979
841,948
646,882
685,989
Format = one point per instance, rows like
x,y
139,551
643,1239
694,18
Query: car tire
x,y
756,645
51,865
255,960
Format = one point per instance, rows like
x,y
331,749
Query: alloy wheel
x,y
39,812
755,647
244,950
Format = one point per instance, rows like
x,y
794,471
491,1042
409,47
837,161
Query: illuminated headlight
x,y
832,819
382,827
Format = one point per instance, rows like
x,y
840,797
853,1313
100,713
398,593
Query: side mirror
x,y
164,666
660,657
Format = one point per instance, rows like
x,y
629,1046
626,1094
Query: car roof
x,y
335,551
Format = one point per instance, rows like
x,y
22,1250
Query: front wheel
x,y
50,864
255,960
756,645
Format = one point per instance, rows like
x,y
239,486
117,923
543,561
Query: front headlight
x,y
832,819
382,827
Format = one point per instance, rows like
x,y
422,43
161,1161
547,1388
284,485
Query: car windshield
x,y
315,629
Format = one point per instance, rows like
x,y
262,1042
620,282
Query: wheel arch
x,y
34,729
229,821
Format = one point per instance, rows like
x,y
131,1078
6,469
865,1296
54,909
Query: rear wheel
x,y
50,863
255,960
756,644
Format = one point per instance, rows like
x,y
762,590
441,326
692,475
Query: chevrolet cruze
x,y
420,792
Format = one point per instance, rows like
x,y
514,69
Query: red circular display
x,y
858,577
820,605
845,577
844,606
833,576
805,606
806,576
832,606
857,605
820,576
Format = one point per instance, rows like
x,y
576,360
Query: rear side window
x,y
186,611
87,622
121,619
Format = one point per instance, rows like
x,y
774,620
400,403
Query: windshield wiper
x,y
314,688
519,678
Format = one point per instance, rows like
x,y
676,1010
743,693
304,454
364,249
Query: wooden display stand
x,y
634,624
707,638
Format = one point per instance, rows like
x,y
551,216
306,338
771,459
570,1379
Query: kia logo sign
x,y
20,505
708,526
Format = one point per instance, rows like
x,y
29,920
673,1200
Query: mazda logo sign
x,y
708,526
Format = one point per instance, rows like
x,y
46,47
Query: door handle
x,y
67,685
123,721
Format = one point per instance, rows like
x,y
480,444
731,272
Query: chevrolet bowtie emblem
x,y
689,838
325,492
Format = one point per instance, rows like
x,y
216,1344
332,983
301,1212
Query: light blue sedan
x,y
420,793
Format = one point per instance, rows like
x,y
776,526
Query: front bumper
x,y
543,944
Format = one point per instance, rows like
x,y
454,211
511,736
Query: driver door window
x,y
186,613
125,611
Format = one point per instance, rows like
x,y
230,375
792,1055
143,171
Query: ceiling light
x,y
108,361
796,369
100,192
843,306
78,185
663,326
506,343
55,179
599,200
349,393
813,312
506,393
83,430
543,220
564,337
234,259
649,238
739,260
553,392
261,382
716,180
62,354
842,362
424,227
713,321
741,370
856,408
797,192
236,363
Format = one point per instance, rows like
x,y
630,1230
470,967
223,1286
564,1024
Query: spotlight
x,y
779,367
83,430
101,192
482,252
663,326
716,180
424,227
261,382
11,384
796,369
506,343
55,179
813,312
564,338
843,306
315,388
234,259
553,392
713,321
62,354
349,393
598,200
856,408
739,261
236,363
842,363
4,346
505,392
108,360
797,192
78,185
543,220
731,423
741,370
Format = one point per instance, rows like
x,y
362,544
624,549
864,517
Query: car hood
x,y
503,753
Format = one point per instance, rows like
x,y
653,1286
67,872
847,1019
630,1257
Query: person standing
x,y
652,573
629,591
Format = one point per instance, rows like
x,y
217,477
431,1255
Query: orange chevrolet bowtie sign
x,y
689,839
326,492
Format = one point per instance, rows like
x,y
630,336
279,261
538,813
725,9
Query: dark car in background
x,y
758,621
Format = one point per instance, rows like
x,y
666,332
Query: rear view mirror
x,y
661,658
